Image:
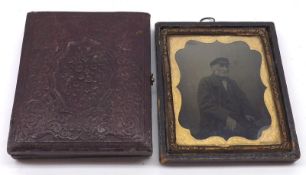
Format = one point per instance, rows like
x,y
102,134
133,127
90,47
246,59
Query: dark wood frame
x,y
170,152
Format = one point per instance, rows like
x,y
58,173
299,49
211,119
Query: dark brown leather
x,y
83,86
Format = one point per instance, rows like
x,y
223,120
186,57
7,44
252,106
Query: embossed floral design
x,y
82,77
75,98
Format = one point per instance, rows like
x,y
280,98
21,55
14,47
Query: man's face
x,y
220,69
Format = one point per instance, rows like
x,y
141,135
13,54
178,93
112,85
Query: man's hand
x,y
250,117
231,123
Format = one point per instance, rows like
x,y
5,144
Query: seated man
x,y
224,108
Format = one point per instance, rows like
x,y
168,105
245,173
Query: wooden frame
x,y
172,152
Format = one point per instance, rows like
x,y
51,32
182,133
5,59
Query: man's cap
x,y
219,60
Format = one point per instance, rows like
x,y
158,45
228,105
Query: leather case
x,y
83,87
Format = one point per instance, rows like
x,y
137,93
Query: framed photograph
x,y
222,94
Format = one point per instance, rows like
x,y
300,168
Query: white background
x,y
288,16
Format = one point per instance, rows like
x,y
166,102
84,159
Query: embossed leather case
x,y
83,87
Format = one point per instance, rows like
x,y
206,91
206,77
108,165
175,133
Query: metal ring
x,y
208,19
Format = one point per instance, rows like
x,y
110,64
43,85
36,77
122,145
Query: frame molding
x,y
170,152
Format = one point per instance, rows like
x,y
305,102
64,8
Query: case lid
x,y
83,86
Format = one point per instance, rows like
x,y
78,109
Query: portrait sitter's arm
x,y
248,110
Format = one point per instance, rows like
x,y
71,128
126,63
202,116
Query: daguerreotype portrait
x,y
221,90
222,94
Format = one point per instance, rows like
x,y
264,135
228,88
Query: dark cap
x,y
219,60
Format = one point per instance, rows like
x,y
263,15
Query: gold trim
x,y
270,136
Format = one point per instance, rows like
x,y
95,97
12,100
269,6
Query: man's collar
x,y
219,77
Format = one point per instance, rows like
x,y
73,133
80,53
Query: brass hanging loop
x,y
208,19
